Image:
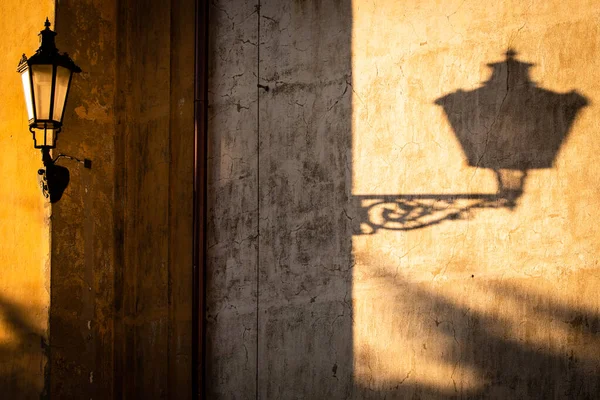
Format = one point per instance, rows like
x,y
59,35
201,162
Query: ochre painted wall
x,y
24,216
491,296
360,243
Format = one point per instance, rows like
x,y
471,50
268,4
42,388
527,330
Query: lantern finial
x,y
47,44
510,53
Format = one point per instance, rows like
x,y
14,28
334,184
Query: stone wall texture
x,y
403,200
121,305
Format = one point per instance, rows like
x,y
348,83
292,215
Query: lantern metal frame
x,y
53,179
47,54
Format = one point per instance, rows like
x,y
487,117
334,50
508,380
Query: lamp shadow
x,y
509,125
471,338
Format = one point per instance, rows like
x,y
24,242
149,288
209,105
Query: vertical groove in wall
x,y
257,194
199,211
195,275
119,191
170,303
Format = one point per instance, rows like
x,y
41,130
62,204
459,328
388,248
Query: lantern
x,y
46,78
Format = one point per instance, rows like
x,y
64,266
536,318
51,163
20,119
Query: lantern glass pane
x,y
60,92
44,137
42,89
27,91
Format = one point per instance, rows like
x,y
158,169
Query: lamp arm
x,y
87,163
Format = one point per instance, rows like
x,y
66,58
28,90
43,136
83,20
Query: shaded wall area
x,y
403,200
279,317
24,217
121,237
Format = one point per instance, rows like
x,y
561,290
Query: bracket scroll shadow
x,y
415,211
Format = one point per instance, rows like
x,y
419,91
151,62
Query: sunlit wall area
x,y
476,189
24,215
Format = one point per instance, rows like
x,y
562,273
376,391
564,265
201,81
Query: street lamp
x,y
46,78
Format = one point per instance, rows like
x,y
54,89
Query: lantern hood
x,y
47,53
510,122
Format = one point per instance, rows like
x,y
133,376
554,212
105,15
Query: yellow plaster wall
x,y
491,301
24,215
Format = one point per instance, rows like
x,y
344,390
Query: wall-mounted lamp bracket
x,y
87,163
54,179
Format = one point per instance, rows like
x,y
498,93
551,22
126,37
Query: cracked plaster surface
x,y
314,108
